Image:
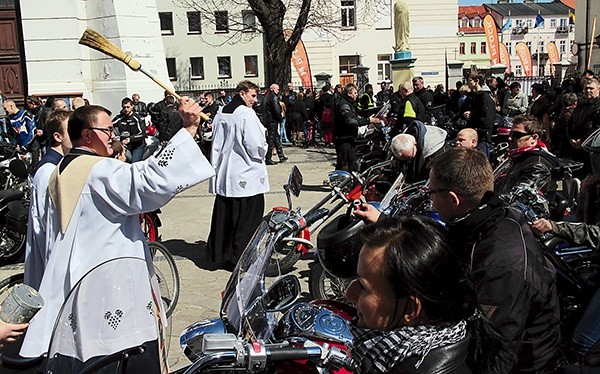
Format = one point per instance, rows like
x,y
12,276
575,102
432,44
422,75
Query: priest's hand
x,y
190,113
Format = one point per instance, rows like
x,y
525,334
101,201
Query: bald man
x,y
467,138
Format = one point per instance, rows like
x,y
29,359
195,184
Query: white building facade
x,y
215,54
58,66
555,28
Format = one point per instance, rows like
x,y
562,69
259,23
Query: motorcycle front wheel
x,y
12,246
325,286
283,260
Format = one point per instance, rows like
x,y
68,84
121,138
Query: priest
x,y
94,202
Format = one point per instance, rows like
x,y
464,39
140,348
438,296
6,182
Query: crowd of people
x,y
480,296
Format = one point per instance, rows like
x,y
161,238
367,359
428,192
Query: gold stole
x,y
65,188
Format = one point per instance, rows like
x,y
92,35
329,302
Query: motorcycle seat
x,y
7,196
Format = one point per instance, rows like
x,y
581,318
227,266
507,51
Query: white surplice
x,y
105,225
238,154
36,255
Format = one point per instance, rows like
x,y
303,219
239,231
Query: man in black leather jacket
x,y
272,117
346,122
516,284
530,163
128,121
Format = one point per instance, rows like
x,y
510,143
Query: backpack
x,y
327,115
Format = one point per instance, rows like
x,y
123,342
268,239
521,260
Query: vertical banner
x,y
553,55
525,56
300,62
491,34
505,57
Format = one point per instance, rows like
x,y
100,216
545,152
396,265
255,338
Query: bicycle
x,y
167,275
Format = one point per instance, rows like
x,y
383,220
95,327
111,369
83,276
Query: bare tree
x,y
276,18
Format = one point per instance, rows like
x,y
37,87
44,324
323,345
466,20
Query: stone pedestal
x,y
402,67
498,70
455,73
322,79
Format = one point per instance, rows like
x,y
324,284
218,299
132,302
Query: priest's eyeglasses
x,y
107,130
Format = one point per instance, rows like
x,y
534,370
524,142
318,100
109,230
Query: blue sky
x,y
480,2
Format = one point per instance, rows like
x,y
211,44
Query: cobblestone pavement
x,y
185,228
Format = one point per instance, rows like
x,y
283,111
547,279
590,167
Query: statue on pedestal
x,y
401,25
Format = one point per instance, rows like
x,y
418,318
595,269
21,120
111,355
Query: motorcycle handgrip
x,y
292,353
313,217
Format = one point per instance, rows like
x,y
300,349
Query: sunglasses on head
x,y
518,135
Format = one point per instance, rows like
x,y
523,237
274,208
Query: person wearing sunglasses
x,y
530,162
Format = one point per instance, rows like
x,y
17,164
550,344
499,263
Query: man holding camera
x,y
131,129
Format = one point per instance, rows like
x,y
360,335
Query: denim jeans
x,y
282,134
137,154
587,331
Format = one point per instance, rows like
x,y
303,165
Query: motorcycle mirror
x,y
295,181
18,168
282,294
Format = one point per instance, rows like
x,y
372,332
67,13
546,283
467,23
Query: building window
x,y
553,23
172,68
483,48
473,48
519,23
197,67
518,70
384,69
348,9
477,22
194,26
509,47
529,23
249,21
464,22
462,48
251,66
528,44
562,47
563,22
166,23
347,63
224,67
221,21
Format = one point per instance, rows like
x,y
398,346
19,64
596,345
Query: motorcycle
x,y
345,187
248,336
14,212
400,199
578,267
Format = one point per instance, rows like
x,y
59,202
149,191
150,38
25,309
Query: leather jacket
x,y
346,121
578,233
515,283
272,110
133,124
532,168
443,360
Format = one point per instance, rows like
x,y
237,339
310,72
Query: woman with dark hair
x,y
416,310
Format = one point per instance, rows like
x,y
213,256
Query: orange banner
x,y
300,62
525,57
491,34
505,57
553,55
